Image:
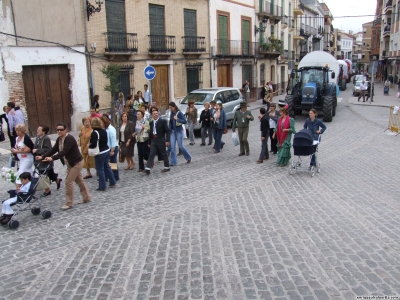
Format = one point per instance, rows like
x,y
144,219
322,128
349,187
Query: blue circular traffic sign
x,y
149,72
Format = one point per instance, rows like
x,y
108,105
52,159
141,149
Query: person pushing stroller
x,y
316,126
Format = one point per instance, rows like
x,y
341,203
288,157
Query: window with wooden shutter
x,y
190,29
246,37
223,34
157,28
116,27
193,76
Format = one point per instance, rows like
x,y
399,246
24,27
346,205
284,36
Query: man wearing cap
x,y
282,103
241,121
363,89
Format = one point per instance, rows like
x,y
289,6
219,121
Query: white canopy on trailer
x,y
321,59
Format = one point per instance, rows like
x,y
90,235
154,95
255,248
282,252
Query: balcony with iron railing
x,y
299,34
314,31
321,30
235,48
291,24
271,48
162,44
339,48
120,43
284,22
300,56
297,8
386,31
194,44
388,7
273,12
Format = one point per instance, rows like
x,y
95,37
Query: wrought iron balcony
x,y
389,3
284,20
230,48
321,30
121,43
271,48
339,48
273,12
286,54
299,34
162,44
339,37
300,56
194,44
291,55
291,23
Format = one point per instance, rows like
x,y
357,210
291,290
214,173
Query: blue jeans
x,y
178,137
114,159
191,131
218,138
103,168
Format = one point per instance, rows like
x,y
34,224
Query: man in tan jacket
x,y
241,121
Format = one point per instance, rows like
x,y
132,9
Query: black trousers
x,y
274,141
13,138
143,153
158,145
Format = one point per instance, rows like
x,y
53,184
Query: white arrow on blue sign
x,y
149,72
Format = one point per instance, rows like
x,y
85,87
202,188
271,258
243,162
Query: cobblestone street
x,y
224,227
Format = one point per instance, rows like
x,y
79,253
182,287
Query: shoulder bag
x,y
95,151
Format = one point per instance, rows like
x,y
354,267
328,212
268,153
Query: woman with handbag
x,y
98,148
127,140
23,149
84,139
142,135
43,145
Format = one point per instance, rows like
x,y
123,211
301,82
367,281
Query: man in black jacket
x,y
158,141
264,128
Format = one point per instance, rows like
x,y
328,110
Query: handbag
x,y
2,137
95,151
113,166
225,130
121,157
44,183
235,138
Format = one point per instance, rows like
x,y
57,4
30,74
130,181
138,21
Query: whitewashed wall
x,y
14,58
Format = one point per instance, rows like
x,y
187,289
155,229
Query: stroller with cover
x,y
28,200
305,145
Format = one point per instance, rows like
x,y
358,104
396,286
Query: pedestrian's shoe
x,y
241,154
165,170
83,201
247,153
209,144
202,144
180,153
222,146
188,161
46,194
112,186
58,183
147,172
6,219
3,217
66,207
266,157
259,161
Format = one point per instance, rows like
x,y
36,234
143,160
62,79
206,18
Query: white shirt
x,y
271,88
363,87
146,96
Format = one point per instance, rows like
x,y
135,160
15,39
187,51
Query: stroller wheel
x,y
318,168
35,211
13,224
312,171
46,214
290,170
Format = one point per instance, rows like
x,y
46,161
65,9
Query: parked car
x,y
359,78
356,87
230,98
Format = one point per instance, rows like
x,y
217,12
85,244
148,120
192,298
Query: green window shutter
x,y
246,37
157,28
124,84
246,73
115,15
192,79
190,28
223,34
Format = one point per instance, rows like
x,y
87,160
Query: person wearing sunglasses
x,y
67,147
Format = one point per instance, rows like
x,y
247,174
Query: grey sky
x,y
351,8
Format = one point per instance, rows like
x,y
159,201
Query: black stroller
x,y
28,200
305,145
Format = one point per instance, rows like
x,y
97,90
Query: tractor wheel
x,y
298,111
327,108
290,101
334,109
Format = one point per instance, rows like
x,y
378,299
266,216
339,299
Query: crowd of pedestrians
x,y
141,125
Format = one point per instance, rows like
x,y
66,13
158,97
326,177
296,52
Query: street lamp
x,y
90,9
261,29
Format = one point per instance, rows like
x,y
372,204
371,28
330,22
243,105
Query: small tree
x,y
111,72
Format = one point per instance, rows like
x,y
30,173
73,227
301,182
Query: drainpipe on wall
x,y
15,28
88,60
210,47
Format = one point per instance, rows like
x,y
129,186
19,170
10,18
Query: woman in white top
x,y
23,149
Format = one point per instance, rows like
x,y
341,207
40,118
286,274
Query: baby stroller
x,y
28,201
304,145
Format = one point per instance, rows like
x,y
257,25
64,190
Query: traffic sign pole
x,y
150,96
149,73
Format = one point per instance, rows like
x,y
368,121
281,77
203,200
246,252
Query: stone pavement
x,y
224,227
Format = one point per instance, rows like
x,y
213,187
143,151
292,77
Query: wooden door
x,y
223,76
47,96
160,88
